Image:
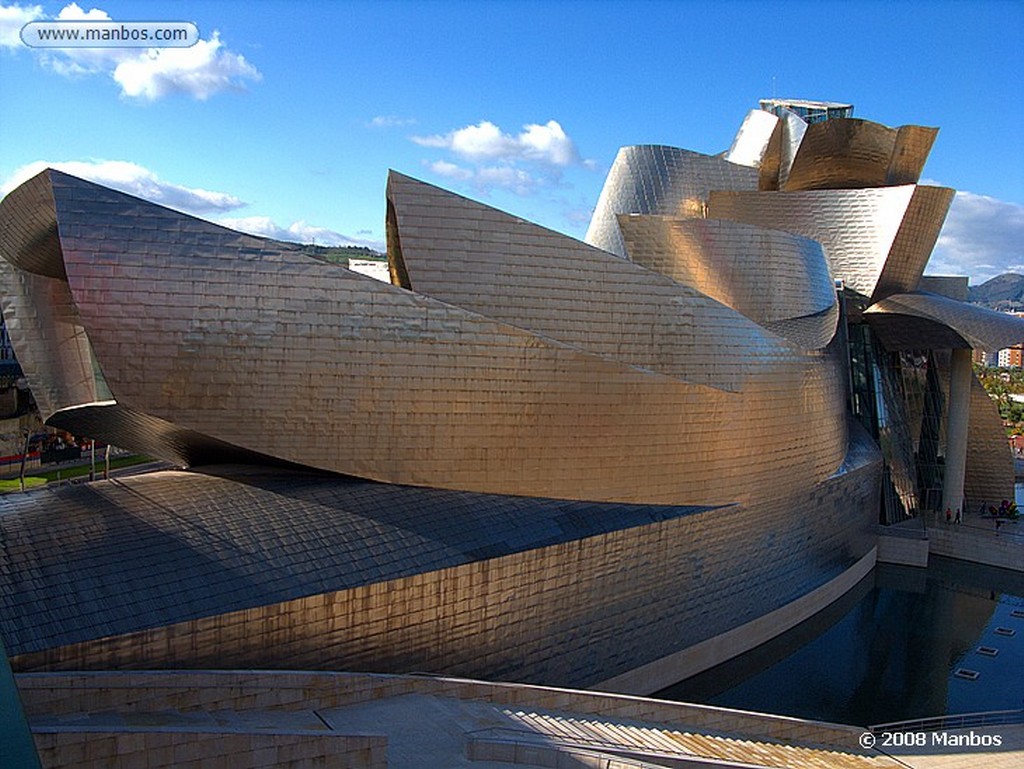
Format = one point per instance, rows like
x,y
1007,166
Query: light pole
x,y
24,453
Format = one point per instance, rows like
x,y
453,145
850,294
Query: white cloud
x,y
493,159
135,180
484,140
205,69
547,144
12,19
297,232
74,12
141,182
982,237
79,62
450,170
201,71
506,177
391,121
483,179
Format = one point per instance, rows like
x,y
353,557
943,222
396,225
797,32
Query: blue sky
x,y
285,118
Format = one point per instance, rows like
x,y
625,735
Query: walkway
x,y
260,719
1009,755
978,539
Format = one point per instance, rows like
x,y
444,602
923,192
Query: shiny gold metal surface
x,y
791,136
846,153
691,358
876,240
654,179
920,319
779,280
252,344
913,145
990,468
37,304
483,260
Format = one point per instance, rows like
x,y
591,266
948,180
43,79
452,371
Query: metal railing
x,y
963,721
1007,527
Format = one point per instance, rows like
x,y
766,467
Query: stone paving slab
x,y
1009,755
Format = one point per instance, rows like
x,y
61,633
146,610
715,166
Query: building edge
x,y
685,663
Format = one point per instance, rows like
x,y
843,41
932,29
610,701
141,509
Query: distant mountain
x,y
1003,292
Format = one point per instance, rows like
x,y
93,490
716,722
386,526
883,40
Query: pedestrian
x,y
959,517
949,515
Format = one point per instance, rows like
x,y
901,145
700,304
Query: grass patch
x,y
38,479
8,485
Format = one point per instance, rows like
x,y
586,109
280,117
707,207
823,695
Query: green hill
x,y
341,254
1003,292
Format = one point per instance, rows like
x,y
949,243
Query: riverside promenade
x,y
978,539
1009,754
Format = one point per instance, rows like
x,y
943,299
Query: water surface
x,y
887,651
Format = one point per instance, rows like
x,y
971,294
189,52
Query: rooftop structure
x,y
809,111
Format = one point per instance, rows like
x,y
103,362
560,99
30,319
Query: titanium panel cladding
x,y
862,230
915,240
654,179
507,359
768,275
791,135
252,344
990,472
847,153
47,335
974,326
270,571
476,257
753,139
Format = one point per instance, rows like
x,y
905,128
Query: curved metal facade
x,y
270,569
640,442
922,319
877,240
846,153
242,332
654,179
753,139
726,260
988,463
470,255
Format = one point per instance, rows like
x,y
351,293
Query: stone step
x,y
643,739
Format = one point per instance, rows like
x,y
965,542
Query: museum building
x,y
526,457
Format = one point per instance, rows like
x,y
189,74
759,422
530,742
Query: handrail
x,y
962,721
975,524
1006,529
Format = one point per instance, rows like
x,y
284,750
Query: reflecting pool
x,y
887,651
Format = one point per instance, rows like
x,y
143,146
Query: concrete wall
x,y
905,544
1003,548
205,750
